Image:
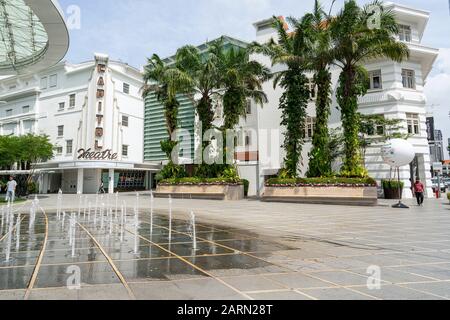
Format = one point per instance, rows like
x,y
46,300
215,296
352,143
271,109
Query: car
x,y
447,182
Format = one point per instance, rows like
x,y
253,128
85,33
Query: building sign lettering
x,y
96,155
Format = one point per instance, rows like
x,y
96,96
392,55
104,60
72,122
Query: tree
x,y
355,41
204,76
35,149
290,50
25,151
10,151
239,79
166,82
319,59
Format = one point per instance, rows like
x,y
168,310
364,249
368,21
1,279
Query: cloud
x,y
437,90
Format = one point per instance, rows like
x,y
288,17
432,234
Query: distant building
x,y
446,168
448,148
436,147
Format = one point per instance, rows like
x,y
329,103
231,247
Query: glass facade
x,y
24,39
126,180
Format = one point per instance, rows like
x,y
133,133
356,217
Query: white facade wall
x,y
46,113
393,101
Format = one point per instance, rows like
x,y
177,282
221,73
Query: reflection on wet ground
x,y
103,253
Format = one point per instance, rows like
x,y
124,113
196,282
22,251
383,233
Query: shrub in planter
x,y
170,171
32,188
321,182
246,186
192,181
392,189
448,196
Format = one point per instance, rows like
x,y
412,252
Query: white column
x,y
80,181
111,181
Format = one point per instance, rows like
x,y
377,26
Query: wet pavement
x,y
149,260
107,255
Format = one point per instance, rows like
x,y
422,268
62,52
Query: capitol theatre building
x,y
93,113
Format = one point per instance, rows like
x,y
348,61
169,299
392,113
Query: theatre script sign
x,y
96,155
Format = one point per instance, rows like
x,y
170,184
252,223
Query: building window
x,y
125,150
379,129
69,146
61,106
53,81
72,101
375,80
9,112
126,88
249,107
312,89
100,105
60,131
44,83
248,140
376,129
125,121
404,33
409,79
59,150
100,93
25,109
309,127
413,123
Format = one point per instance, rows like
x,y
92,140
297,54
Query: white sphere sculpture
x,y
398,153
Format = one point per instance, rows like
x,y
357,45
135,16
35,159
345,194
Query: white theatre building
x,y
93,113
397,91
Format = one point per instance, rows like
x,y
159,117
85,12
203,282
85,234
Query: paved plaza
x,y
243,250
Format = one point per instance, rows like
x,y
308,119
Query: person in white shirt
x,y
11,189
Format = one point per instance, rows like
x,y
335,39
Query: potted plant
x,y
246,186
392,189
448,196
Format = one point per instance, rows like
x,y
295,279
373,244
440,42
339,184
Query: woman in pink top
x,y
419,189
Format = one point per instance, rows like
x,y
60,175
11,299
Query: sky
x,y
132,30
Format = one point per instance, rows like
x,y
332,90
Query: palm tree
x,y
354,42
239,79
291,51
319,59
205,80
166,82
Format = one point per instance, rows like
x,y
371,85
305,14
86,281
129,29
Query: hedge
x,y
392,184
192,181
322,182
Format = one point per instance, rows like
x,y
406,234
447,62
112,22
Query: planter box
x,y
392,193
358,196
211,192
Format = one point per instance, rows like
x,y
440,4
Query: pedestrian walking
x,y
102,188
11,189
419,190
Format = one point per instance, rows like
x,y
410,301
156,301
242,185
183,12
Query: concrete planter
x,y
210,191
358,196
